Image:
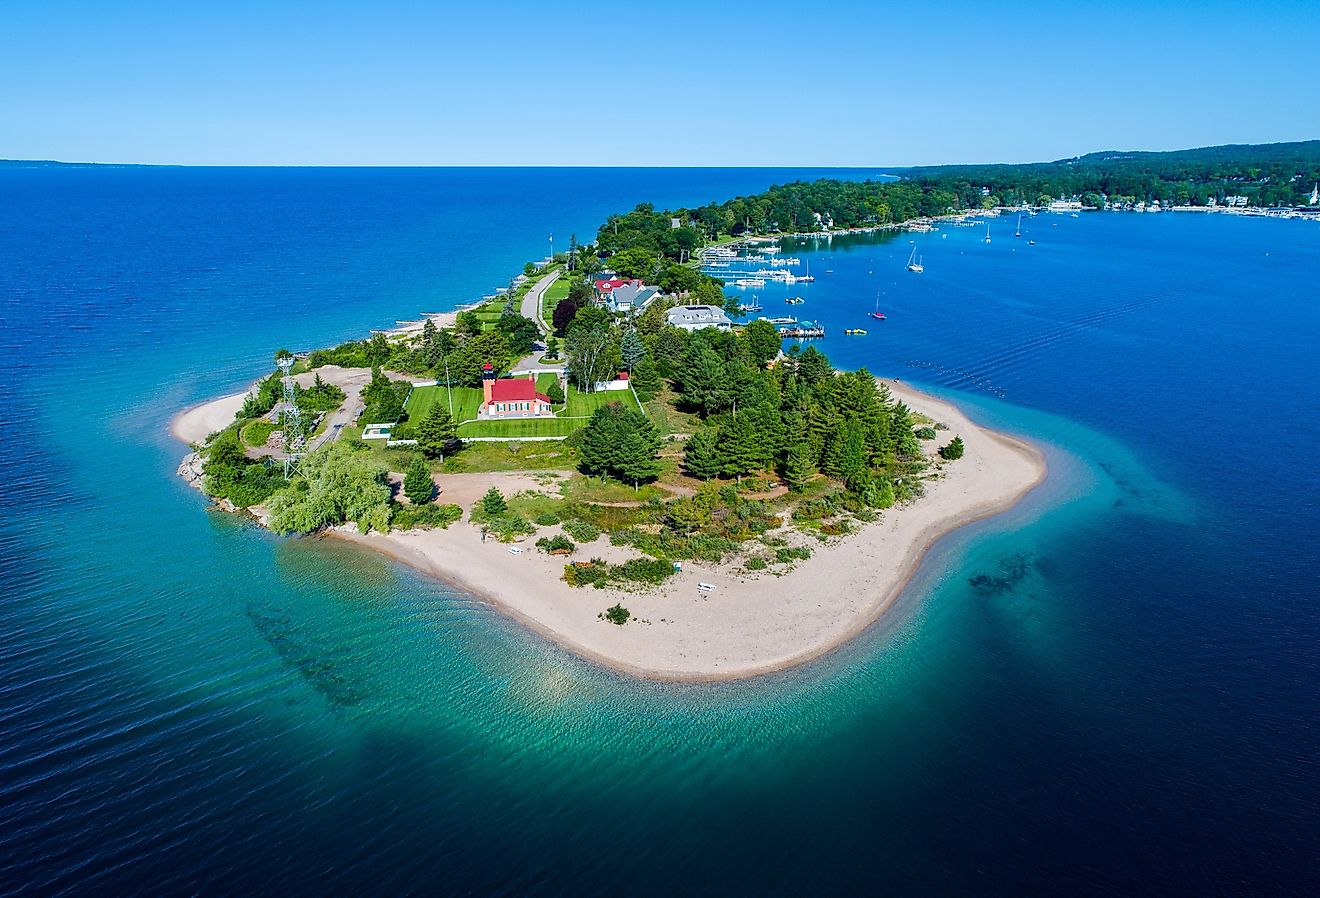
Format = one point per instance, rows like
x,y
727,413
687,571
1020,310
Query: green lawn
x,y
552,296
467,401
584,405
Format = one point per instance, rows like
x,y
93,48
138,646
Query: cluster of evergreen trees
x,y
797,418
620,442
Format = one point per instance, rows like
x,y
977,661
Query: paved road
x,y
531,308
531,304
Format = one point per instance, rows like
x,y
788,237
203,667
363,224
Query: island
x,y
618,452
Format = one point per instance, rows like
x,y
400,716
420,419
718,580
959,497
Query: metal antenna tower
x,y
295,437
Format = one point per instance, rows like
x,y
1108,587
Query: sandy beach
x,y
751,623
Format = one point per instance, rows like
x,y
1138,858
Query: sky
x,y
627,83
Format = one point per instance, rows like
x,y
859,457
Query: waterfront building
x,y
695,318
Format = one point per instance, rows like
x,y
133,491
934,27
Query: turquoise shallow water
x,y
1110,689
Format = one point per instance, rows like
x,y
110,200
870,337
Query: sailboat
x,y
1018,233
877,314
987,233
807,278
914,264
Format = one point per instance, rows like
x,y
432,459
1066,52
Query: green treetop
x,y
417,483
435,431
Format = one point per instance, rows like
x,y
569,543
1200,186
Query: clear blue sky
x,y
627,83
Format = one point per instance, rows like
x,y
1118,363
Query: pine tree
x,y
852,462
701,455
763,341
555,393
704,381
900,430
646,379
637,461
417,483
435,431
632,350
799,466
739,450
493,504
954,450
619,441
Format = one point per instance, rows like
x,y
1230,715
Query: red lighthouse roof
x,y
515,389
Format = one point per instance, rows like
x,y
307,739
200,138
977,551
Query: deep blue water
x,y
1113,689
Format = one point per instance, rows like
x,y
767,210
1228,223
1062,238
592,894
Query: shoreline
x,y
753,624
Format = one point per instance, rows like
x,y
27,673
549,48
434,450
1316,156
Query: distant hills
x,y
1268,174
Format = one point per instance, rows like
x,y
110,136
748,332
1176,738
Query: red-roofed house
x,y
606,286
512,397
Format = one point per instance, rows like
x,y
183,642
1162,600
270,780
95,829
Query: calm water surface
x,y
1113,689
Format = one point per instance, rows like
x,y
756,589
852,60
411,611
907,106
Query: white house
x,y
695,318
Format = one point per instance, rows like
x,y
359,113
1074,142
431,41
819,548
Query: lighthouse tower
x,y
487,383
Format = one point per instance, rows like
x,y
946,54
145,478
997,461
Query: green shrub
x,y
508,527
547,519
617,615
258,432
582,531
954,450
643,570
925,433
584,573
552,544
792,553
597,573
424,517
756,563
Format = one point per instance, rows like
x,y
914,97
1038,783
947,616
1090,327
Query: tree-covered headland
x,y
722,436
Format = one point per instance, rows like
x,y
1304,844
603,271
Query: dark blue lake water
x,y
1114,689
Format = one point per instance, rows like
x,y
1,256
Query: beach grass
x,y
596,490
486,457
